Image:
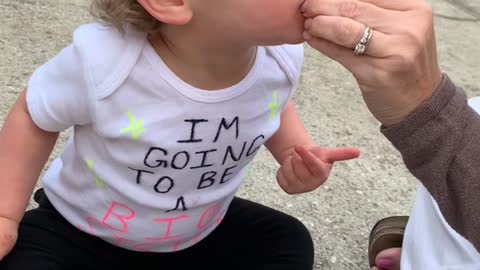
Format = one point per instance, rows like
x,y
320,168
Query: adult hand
x,y
399,68
8,236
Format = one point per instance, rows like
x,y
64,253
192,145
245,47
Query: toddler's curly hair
x,y
118,13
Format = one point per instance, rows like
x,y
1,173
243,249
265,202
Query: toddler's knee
x,y
299,235
299,243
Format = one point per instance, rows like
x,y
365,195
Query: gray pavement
x,y
339,214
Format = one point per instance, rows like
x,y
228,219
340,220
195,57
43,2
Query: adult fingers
x,y
345,56
353,8
347,33
398,5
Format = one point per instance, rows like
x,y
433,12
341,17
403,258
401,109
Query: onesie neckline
x,y
202,95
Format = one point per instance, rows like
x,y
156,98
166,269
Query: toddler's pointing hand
x,y
306,169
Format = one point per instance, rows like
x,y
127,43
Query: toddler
x,y
169,101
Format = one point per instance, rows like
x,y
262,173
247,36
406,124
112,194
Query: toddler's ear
x,y
169,11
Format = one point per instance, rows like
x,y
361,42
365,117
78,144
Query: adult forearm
x,y
440,144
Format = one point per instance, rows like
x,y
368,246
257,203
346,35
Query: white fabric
x,y
152,163
430,242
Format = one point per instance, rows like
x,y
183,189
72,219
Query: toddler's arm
x,y
304,166
24,150
291,133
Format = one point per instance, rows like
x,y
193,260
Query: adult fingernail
x,y
386,264
308,23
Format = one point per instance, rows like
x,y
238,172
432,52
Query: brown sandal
x,y
387,233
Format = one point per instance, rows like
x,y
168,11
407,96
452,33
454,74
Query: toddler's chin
x,y
296,37
298,40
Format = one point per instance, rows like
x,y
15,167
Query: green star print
x,y
135,127
98,180
274,105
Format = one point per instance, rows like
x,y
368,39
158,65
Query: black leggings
x,y
251,237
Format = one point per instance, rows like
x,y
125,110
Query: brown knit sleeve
x,y
440,145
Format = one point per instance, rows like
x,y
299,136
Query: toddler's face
x,y
264,22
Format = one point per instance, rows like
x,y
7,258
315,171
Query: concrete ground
x,y
339,214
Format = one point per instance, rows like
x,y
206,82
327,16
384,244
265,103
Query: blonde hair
x,y
118,13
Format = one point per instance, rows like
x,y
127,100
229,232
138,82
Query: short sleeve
x,y
57,93
294,55
290,59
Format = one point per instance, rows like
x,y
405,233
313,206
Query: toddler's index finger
x,y
334,154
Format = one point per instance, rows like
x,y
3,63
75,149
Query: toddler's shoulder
x,y
107,54
290,57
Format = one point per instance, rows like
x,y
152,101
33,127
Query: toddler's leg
x,y
255,237
47,241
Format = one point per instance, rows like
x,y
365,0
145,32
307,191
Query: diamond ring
x,y
362,45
